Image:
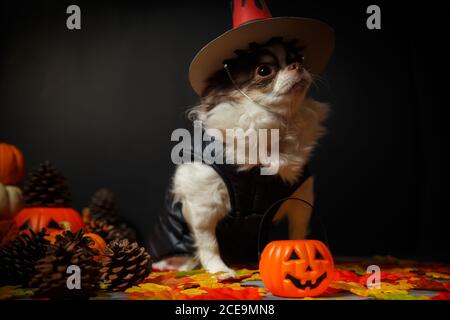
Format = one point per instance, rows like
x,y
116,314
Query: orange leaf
x,y
248,293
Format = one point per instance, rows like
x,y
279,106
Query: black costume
x,y
251,195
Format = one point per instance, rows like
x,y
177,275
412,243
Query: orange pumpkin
x,y
296,268
97,241
11,165
51,219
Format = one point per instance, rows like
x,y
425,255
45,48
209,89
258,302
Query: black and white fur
x,y
275,86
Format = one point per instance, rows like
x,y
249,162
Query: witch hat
x,y
252,22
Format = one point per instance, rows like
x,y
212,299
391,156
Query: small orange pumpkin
x,y
11,165
97,241
49,218
296,268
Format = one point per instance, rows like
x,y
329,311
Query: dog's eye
x,y
264,70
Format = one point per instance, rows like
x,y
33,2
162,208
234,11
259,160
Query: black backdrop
x,y
102,102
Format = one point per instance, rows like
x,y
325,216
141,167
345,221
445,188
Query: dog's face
x,y
271,74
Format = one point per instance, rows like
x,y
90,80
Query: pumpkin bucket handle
x,y
267,214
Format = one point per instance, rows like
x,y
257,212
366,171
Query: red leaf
x,y
441,296
346,276
426,284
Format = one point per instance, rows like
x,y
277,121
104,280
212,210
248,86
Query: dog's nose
x,y
295,66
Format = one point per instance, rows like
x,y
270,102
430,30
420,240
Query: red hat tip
x,y
248,10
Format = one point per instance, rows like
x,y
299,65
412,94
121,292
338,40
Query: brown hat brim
x,y
318,37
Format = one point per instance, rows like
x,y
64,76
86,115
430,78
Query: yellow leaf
x,y
206,280
152,287
245,272
262,291
395,295
255,276
437,275
400,285
353,287
194,291
9,292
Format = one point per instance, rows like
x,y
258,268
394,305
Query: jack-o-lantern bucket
x,y
296,268
50,219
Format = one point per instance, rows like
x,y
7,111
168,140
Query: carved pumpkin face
x,y
52,219
296,268
11,165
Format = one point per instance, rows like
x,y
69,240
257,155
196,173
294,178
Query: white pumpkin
x,y
10,201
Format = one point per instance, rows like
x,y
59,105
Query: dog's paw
x,y
225,275
176,263
222,273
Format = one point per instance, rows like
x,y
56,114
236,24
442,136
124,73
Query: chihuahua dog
x,y
264,87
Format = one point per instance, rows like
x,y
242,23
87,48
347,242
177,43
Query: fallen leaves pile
x,y
197,285
400,280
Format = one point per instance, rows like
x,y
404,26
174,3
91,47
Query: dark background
x,y
101,103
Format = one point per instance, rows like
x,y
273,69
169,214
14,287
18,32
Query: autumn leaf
x,y
9,292
254,277
161,295
194,291
437,275
441,296
353,287
245,272
345,275
354,267
147,287
181,274
390,277
228,294
426,284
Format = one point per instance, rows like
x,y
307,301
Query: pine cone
x,y
103,206
46,187
124,264
18,257
120,232
51,271
107,231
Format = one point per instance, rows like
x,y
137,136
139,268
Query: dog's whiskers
x,y
317,79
